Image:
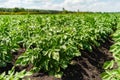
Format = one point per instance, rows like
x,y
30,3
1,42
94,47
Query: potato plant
x,y
113,67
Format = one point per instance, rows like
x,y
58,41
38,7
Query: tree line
x,y
40,11
17,10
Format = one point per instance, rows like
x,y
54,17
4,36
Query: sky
x,y
72,5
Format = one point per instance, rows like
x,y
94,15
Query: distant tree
x,y
15,9
78,11
64,10
22,10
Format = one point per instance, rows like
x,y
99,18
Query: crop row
x,y
50,42
113,67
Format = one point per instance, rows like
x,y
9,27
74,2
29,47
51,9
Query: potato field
x,y
60,47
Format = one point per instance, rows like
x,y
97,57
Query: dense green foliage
x,y
114,74
14,76
51,41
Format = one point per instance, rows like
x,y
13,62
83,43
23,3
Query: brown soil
x,y
86,67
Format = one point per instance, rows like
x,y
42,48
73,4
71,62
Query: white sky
x,y
74,5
